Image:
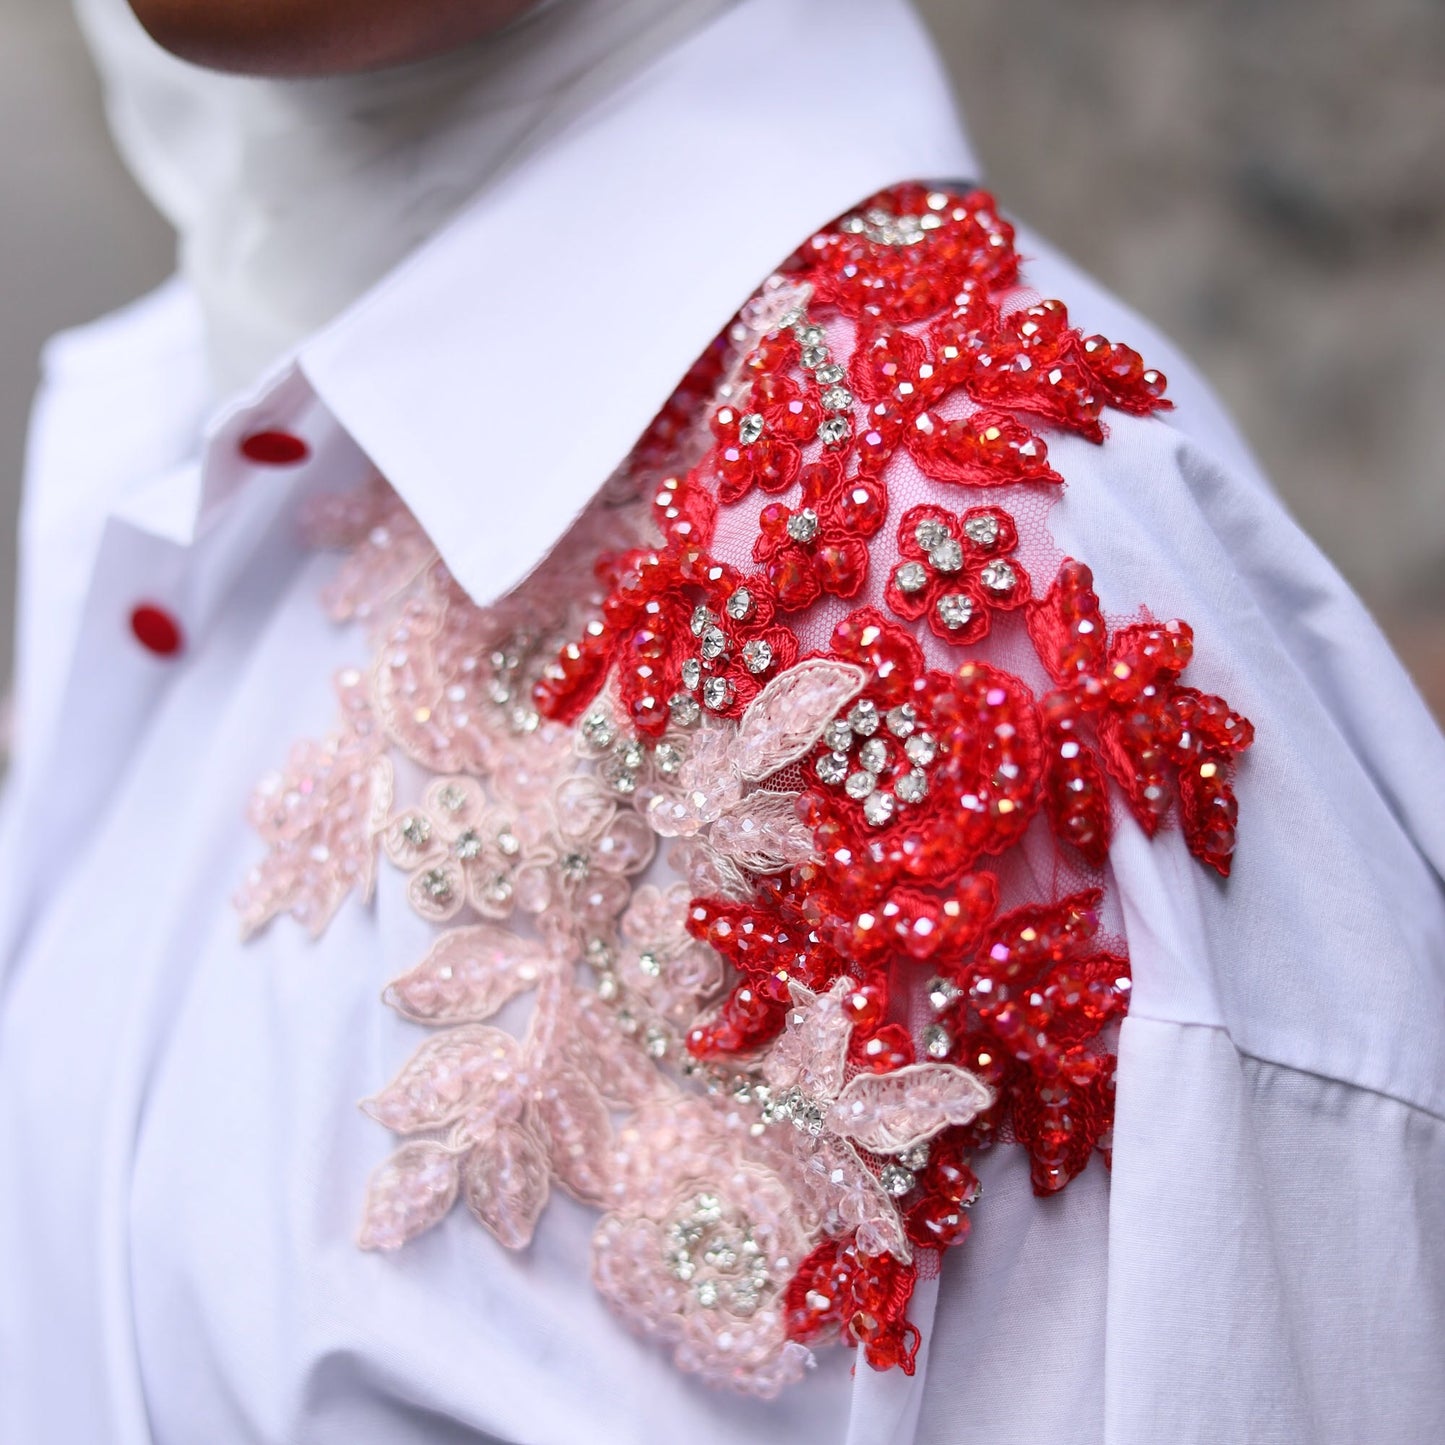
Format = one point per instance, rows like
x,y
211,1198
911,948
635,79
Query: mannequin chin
x,y
318,37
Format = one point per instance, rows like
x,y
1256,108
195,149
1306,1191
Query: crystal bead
x,y
713,644
757,655
921,748
947,556
832,768
982,530
813,357
829,375
837,398
436,885
750,428
717,693
468,845
691,673
943,993
417,831
702,619
838,735
955,610
874,755
684,709
599,730
912,787
740,605
649,963
668,758
707,1293
607,987
896,1180
803,525
929,533
999,578
860,784
911,577
864,719
508,844
937,1041
834,432
902,720
915,1158
809,335
654,1041
878,808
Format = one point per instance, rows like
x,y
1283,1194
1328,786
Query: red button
x,y
275,448
156,630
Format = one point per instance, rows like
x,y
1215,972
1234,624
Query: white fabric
x,y
180,1156
293,197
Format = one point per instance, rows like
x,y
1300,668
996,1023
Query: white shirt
x,y
180,1152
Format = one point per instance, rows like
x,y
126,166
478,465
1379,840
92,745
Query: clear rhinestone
x,y
896,1180
947,556
707,1293
684,709
860,784
757,655
508,844
740,605
915,1158
713,644
452,798
912,787
608,988
599,730
436,885
837,398
668,757
746,1297
832,768
654,1041
874,755
902,720
878,808
575,866
630,755
649,963
809,335
599,953
750,428
835,431
911,577
921,748
864,719
702,619
955,610
999,578
722,1254
468,845
691,673
717,693
982,529
417,831
838,735
937,1041
943,993
929,533
830,375
813,356
803,526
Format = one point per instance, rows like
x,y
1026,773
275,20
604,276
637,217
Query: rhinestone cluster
x,y
863,743
711,1249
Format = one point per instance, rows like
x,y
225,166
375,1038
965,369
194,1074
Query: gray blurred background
x,y
1263,178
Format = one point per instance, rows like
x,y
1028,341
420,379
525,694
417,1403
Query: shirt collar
x,y
502,373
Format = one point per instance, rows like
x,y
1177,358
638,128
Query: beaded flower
x,y
765,827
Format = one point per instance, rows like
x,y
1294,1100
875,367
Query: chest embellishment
x,y
764,828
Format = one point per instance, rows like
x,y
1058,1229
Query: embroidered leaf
x,y
468,975
455,1071
893,1112
505,1183
411,1192
788,716
763,833
579,1129
620,1072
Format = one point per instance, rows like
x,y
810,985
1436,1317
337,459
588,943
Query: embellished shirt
x,y
785,899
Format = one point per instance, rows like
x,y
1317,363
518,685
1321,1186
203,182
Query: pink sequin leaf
x,y
505,1181
408,1194
763,833
786,719
467,975
571,1114
454,1072
891,1113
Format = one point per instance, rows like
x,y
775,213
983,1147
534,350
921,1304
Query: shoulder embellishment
x,y
732,816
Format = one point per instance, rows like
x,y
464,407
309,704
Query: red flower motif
x,y
956,570
863,1298
762,445
819,545
1158,740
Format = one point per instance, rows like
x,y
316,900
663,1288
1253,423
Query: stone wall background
x,y
1263,178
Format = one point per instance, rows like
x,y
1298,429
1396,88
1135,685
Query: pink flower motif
x,y
699,1246
838,1119
661,962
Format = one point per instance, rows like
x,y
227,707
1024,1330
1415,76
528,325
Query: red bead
x,y
156,630
937,1223
274,448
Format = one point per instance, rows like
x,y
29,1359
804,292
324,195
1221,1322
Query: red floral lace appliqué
x,y
770,1069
